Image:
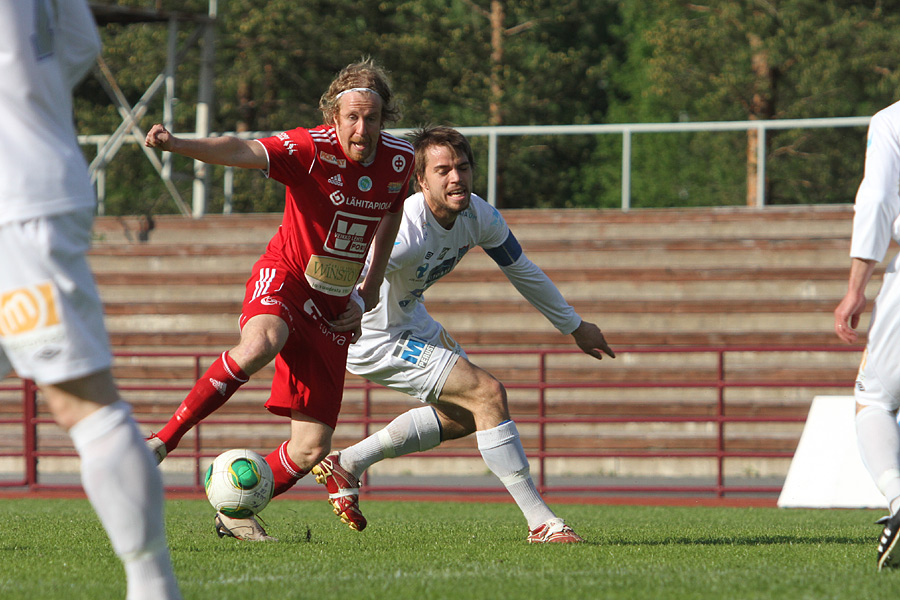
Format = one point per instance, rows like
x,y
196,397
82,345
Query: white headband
x,y
369,90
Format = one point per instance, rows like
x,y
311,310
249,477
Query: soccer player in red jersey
x,y
346,181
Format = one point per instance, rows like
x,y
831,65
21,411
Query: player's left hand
x,y
349,320
591,341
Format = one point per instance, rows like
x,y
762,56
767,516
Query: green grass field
x,y
55,549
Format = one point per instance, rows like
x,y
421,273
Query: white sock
x,y
125,488
502,451
879,446
415,430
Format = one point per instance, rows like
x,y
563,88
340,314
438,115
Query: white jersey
x,y
45,49
876,222
424,252
877,218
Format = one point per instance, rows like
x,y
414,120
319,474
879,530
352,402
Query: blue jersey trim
x,y
506,253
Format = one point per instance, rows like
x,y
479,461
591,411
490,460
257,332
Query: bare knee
x,y
73,400
262,339
490,406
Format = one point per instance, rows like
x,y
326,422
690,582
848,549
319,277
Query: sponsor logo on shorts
x,y
335,337
414,350
285,311
30,320
27,309
861,374
310,308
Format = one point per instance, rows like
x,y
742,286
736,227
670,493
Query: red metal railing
x,y
543,418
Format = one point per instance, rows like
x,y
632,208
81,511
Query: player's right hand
x,y
847,316
158,137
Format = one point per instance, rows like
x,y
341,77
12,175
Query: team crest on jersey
x,y
399,163
364,183
332,159
337,180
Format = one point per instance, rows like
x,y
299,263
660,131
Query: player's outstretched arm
x,y
226,150
591,341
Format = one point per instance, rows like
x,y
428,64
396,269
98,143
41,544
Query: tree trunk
x,y
497,17
762,106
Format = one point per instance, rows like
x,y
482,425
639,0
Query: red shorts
x,y
309,370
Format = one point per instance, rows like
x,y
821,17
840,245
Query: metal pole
x,y
626,170
204,106
169,99
760,166
31,432
492,168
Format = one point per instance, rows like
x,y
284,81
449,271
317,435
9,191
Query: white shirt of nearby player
x,y
424,252
877,218
42,169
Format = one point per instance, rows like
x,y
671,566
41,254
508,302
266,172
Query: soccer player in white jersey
x,y
404,348
875,224
51,317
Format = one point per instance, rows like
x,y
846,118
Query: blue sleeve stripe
x,y
506,253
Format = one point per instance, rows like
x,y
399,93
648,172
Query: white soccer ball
x,y
239,483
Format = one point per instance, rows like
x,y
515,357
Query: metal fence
x,y
626,130
539,419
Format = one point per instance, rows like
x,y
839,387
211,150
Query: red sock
x,y
285,471
211,391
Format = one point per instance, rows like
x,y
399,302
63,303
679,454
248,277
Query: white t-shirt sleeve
x,y
536,287
878,198
79,40
527,277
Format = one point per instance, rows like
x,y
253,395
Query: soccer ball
x,y
239,483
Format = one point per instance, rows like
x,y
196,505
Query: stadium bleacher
x,y
667,279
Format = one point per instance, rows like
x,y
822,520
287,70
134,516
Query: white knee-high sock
x,y
879,445
415,430
125,488
502,451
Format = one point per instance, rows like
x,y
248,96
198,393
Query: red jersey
x,y
333,206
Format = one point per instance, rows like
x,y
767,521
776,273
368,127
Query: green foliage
x,y
56,549
576,62
738,60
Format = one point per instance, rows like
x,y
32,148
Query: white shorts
x,y
415,360
878,380
51,316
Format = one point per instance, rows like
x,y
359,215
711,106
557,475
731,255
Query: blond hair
x,y
366,75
